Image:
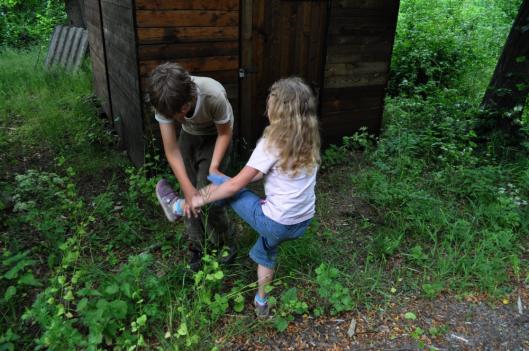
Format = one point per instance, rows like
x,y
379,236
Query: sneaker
x,y
228,254
261,310
167,198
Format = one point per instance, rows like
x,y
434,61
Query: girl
x,y
287,155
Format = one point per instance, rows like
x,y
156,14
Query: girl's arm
x,y
227,189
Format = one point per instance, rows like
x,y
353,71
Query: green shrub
x,y
24,23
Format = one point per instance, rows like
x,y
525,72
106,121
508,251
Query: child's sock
x,y
261,300
178,207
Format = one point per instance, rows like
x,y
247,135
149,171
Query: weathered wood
x,y
330,94
230,77
172,18
359,104
188,50
509,86
356,68
243,125
128,117
200,64
187,34
98,55
226,5
119,4
359,4
75,13
281,39
360,80
122,67
336,125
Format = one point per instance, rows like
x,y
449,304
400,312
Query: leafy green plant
x,y
288,306
336,155
331,290
27,22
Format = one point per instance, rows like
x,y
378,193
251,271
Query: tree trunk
x,y
505,97
75,11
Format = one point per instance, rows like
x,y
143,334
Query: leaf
x,y
10,292
112,289
410,316
141,320
119,307
82,304
219,275
69,296
125,288
280,324
182,330
29,279
13,272
239,303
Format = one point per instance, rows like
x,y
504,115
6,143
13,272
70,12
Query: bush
x,y
24,23
439,43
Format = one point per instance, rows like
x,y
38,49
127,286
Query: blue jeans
x,y
271,233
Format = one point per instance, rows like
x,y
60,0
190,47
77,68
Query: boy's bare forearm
x,y
221,146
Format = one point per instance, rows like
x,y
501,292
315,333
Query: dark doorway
x,y
278,39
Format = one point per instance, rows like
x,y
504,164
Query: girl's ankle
x,y
261,300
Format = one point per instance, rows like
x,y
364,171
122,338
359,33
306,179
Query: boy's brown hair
x,y
170,87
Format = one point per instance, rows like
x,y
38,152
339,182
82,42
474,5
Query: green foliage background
x,y
88,261
24,23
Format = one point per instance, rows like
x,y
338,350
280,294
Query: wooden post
x,y
508,89
75,11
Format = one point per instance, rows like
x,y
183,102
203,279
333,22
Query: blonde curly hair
x,y
293,131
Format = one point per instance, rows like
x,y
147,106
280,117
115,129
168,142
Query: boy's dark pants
x,y
213,223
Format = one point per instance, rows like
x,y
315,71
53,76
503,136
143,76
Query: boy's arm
x,y
224,135
227,189
174,157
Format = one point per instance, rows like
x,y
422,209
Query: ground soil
x,y
471,323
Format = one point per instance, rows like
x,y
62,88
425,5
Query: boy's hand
x,y
189,210
197,201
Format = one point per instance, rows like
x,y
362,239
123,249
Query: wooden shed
x,y
342,47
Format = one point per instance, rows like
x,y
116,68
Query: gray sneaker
x,y
167,198
261,311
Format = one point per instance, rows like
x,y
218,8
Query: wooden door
x,y
279,38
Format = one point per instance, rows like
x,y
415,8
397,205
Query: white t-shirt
x,y
289,199
212,107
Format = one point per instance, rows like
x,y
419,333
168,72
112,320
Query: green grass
x,y
50,111
89,259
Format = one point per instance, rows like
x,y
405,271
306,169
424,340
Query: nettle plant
x,y
79,311
337,297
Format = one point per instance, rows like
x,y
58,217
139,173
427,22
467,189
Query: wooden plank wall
x,y
122,67
202,35
360,40
97,53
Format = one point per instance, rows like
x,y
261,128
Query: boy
x,y
200,106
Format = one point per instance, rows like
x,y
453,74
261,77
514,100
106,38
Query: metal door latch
x,y
243,71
